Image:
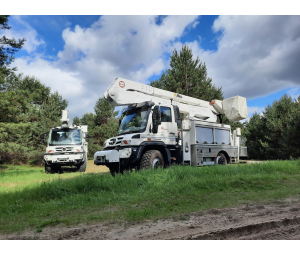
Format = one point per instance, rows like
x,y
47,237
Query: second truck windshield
x,y
65,136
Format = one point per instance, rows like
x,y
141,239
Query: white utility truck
x,y
67,145
152,133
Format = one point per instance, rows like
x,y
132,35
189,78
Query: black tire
x,y
82,167
221,159
48,169
152,159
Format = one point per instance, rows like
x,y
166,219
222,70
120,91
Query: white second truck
x,y
67,145
152,133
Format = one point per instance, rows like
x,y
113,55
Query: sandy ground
x,y
280,220
92,168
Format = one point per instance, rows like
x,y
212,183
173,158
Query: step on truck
x,y
160,128
67,145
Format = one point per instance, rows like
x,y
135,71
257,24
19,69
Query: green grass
x,y
41,200
16,178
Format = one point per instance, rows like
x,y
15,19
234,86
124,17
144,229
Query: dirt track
x,y
280,220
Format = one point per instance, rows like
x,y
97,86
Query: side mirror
x,y
44,138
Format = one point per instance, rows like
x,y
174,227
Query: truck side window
x,y
166,114
222,136
204,135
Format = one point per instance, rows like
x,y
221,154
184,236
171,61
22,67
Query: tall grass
x,y
148,194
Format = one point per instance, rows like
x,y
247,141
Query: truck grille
x,y
63,149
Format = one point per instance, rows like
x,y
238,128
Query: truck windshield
x,y
65,137
134,121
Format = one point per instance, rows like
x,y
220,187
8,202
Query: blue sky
x,y
79,56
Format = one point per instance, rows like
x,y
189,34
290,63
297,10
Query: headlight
x,y
125,153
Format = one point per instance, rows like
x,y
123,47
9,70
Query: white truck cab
x,y
67,145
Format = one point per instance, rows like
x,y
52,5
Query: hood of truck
x,y
135,139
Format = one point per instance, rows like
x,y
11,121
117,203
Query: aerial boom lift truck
x,y
67,145
152,133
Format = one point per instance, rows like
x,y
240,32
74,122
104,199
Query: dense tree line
x,y
28,108
275,134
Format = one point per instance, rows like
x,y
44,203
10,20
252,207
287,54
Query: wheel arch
x,y
159,146
226,155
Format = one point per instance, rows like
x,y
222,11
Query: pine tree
x,y
76,121
8,47
103,111
188,77
28,109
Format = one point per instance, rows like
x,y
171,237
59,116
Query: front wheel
x,y
48,169
82,167
152,159
114,169
221,159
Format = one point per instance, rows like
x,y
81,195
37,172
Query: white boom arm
x,y
126,92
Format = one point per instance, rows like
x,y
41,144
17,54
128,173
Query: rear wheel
x,y
152,159
221,159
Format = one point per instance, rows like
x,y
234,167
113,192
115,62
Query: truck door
x,y
168,126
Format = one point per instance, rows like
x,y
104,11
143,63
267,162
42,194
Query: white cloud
x,y
68,84
114,46
294,93
256,56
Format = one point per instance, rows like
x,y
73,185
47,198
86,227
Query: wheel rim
x,y
156,163
220,160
